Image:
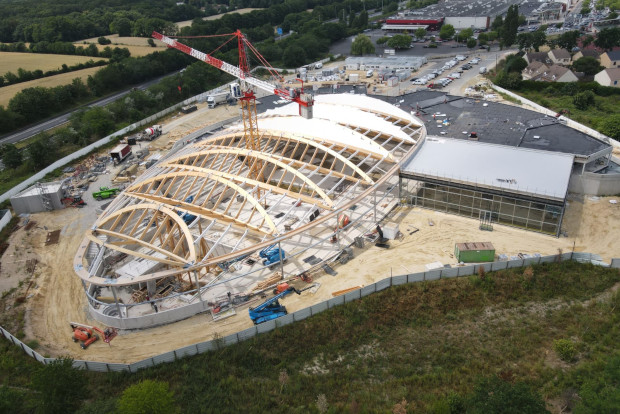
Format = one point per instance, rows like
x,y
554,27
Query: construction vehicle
x,y
189,108
271,308
75,201
120,152
218,98
272,256
151,133
105,192
87,335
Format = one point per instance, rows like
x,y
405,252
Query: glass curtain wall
x,y
531,215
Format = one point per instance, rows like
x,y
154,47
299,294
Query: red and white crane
x,y
246,96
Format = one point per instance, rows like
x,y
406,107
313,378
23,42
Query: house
x,y
535,57
587,53
559,56
608,77
557,73
611,59
534,70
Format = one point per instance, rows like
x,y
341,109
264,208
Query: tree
x,y
507,80
363,19
122,26
587,41
568,40
583,100
608,38
151,42
11,157
464,35
446,32
515,63
524,41
61,387
400,41
382,40
147,397
471,43
610,126
362,45
588,65
294,56
102,40
511,24
498,23
538,39
420,32
493,395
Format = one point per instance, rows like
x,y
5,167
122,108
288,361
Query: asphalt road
x,y
62,119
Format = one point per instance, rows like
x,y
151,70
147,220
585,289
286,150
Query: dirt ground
x,y
58,298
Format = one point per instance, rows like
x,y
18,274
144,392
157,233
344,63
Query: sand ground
x,y
57,296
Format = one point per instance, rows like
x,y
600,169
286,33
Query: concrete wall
x,y
33,203
595,184
5,217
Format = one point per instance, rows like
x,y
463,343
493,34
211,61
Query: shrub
x,y
583,100
147,396
493,395
565,348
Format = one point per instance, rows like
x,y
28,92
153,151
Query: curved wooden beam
x,y
326,204
310,142
264,157
201,210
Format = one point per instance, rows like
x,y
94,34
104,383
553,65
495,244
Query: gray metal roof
x,y
541,174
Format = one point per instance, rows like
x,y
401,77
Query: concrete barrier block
x,y
548,259
302,314
230,339
499,266
206,346
399,280
529,261
432,274
450,272
367,290
266,326
466,270
415,277
318,308
515,263
382,284
615,263
163,358
336,301
248,333
186,351
284,320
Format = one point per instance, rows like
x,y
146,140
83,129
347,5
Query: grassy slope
x,y
419,342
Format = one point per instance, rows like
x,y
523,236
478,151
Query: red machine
x,y
87,334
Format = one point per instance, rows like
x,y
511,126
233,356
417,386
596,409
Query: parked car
x,y
460,58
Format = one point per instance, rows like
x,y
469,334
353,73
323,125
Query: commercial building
x,y
392,63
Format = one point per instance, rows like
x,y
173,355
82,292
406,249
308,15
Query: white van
x,y
483,70
318,65
369,73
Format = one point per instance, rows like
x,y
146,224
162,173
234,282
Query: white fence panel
x,y
186,351
485,266
118,367
615,263
466,270
284,320
415,277
450,272
266,326
382,284
96,366
432,275
318,308
399,280
163,358
528,261
499,266
548,259
351,296
145,363
367,290
230,339
338,300
247,333
515,263
567,256
206,346
302,314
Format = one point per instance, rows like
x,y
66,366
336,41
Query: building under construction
x,y
186,236
40,197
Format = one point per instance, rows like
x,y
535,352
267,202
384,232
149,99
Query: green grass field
x,y
422,346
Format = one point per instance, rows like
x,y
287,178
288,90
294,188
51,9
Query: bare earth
x,y
137,46
187,23
58,297
11,61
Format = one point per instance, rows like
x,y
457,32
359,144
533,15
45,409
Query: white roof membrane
x,y
518,170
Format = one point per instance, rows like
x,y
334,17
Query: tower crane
x,y
245,94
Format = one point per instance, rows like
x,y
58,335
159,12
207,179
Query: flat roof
x,y
497,123
542,174
46,188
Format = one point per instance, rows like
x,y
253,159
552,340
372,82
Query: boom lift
x,y
87,334
271,308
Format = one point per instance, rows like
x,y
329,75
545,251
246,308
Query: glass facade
x,y
537,216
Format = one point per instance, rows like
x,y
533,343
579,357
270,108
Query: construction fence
x,y
103,141
302,314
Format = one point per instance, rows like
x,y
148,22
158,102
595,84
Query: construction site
x,y
200,226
